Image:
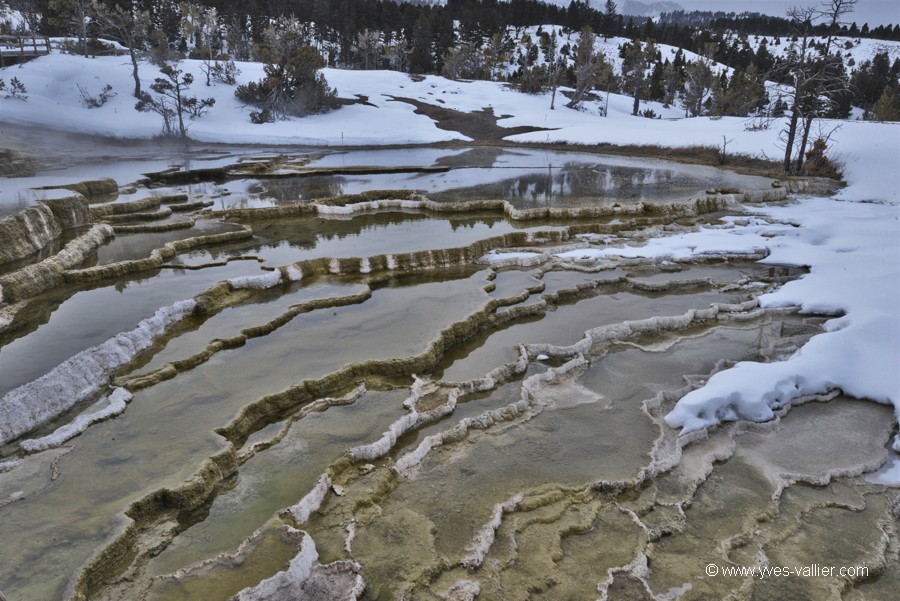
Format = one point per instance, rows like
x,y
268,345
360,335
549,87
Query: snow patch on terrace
x,y
81,376
853,252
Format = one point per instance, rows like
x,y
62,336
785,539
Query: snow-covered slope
x,y
54,101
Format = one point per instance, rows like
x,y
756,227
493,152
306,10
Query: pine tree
x,y
589,65
172,103
634,62
699,85
293,84
888,106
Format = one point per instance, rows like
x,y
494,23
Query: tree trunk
x,y
807,126
179,107
577,97
789,145
134,71
637,103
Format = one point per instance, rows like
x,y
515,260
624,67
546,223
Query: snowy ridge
x,y
81,376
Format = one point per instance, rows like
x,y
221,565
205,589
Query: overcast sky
x,y
873,12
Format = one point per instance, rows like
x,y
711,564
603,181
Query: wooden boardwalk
x,y
18,49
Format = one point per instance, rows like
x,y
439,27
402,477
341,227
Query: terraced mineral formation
x,y
386,396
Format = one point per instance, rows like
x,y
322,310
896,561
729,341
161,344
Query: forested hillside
x,y
814,63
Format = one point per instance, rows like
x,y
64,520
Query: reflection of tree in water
x,y
474,157
573,180
524,186
292,189
307,233
471,222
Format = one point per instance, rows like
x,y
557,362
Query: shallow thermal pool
x,y
398,400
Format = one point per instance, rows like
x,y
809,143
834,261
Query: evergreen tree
x,y
655,85
634,63
73,17
699,85
421,57
588,65
743,94
888,106
293,84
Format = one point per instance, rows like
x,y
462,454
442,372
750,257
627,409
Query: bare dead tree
x,y
128,26
798,70
555,66
831,78
817,76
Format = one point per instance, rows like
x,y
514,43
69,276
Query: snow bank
x,y
82,376
54,101
853,251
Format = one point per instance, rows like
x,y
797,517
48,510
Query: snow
x,y
853,252
889,474
54,102
849,242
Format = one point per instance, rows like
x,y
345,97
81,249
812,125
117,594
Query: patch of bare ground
x,y
480,125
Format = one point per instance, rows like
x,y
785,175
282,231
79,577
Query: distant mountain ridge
x,y
631,8
641,9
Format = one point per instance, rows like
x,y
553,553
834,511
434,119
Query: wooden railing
x,y
15,49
